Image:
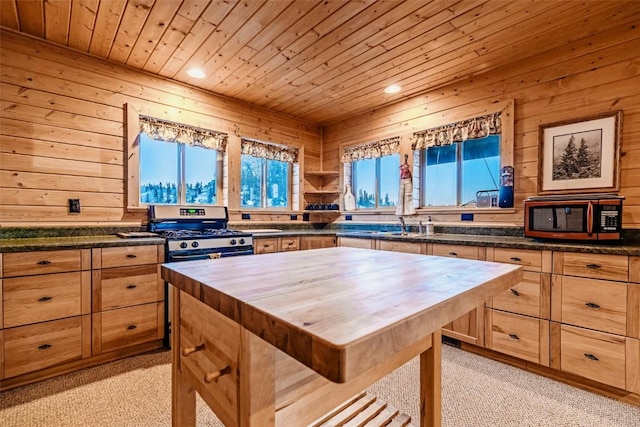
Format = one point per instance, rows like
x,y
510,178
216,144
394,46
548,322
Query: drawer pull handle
x,y
132,256
453,254
594,266
210,377
592,305
45,299
515,259
131,327
514,292
266,246
591,356
187,351
132,286
44,346
44,262
514,336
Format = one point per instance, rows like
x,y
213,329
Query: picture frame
x,y
580,156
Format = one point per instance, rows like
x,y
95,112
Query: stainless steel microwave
x,y
573,217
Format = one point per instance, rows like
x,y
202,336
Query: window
x,y
266,175
453,174
175,173
264,183
376,181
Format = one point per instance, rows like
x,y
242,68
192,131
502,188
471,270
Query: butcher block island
x,y
287,338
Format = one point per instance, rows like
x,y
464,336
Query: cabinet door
x,y
590,303
529,297
126,327
126,286
396,246
31,263
519,336
595,266
595,355
354,242
265,246
289,244
129,255
470,326
317,242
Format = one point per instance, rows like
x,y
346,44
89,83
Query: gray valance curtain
x,y
478,127
371,150
175,132
269,151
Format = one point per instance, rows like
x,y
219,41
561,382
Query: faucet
x,y
403,226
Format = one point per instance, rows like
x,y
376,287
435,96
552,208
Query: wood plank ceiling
x,y
320,60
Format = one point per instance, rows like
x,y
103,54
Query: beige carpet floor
x,y
477,392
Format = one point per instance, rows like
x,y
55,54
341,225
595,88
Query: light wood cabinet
x,y
397,246
354,242
289,244
265,245
469,327
594,313
46,306
128,297
520,336
317,242
64,310
517,321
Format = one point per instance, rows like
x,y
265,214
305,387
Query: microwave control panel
x,y
609,218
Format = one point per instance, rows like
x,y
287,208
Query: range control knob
x,y
242,241
183,245
194,244
233,241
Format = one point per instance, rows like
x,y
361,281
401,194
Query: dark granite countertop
x,y
450,236
73,242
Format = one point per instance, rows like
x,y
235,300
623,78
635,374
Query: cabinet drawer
x,y
530,259
354,242
596,266
34,347
129,255
519,336
595,355
125,327
529,297
408,247
209,342
265,246
457,251
634,269
35,299
289,243
593,304
31,263
128,286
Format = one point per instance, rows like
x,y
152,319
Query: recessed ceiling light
x,y
392,89
196,73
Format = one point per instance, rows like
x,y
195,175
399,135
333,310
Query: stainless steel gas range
x,y
195,233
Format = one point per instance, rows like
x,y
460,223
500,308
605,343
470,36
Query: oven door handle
x,y
212,255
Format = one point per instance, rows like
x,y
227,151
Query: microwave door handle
x,y
590,219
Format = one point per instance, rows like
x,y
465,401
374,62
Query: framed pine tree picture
x,y
580,156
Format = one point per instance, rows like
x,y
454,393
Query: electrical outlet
x,y
348,217
294,217
246,216
466,217
74,205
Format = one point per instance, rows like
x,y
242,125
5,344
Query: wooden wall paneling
x,y
46,165
106,24
133,18
9,15
27,146
26,180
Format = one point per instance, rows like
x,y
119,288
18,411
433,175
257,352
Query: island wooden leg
x,y
431,384
183,395
257,394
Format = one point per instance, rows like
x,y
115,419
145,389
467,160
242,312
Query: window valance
x,y
269,151
371,150
478,127
176,132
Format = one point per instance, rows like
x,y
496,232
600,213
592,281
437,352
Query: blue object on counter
x,y
505,197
